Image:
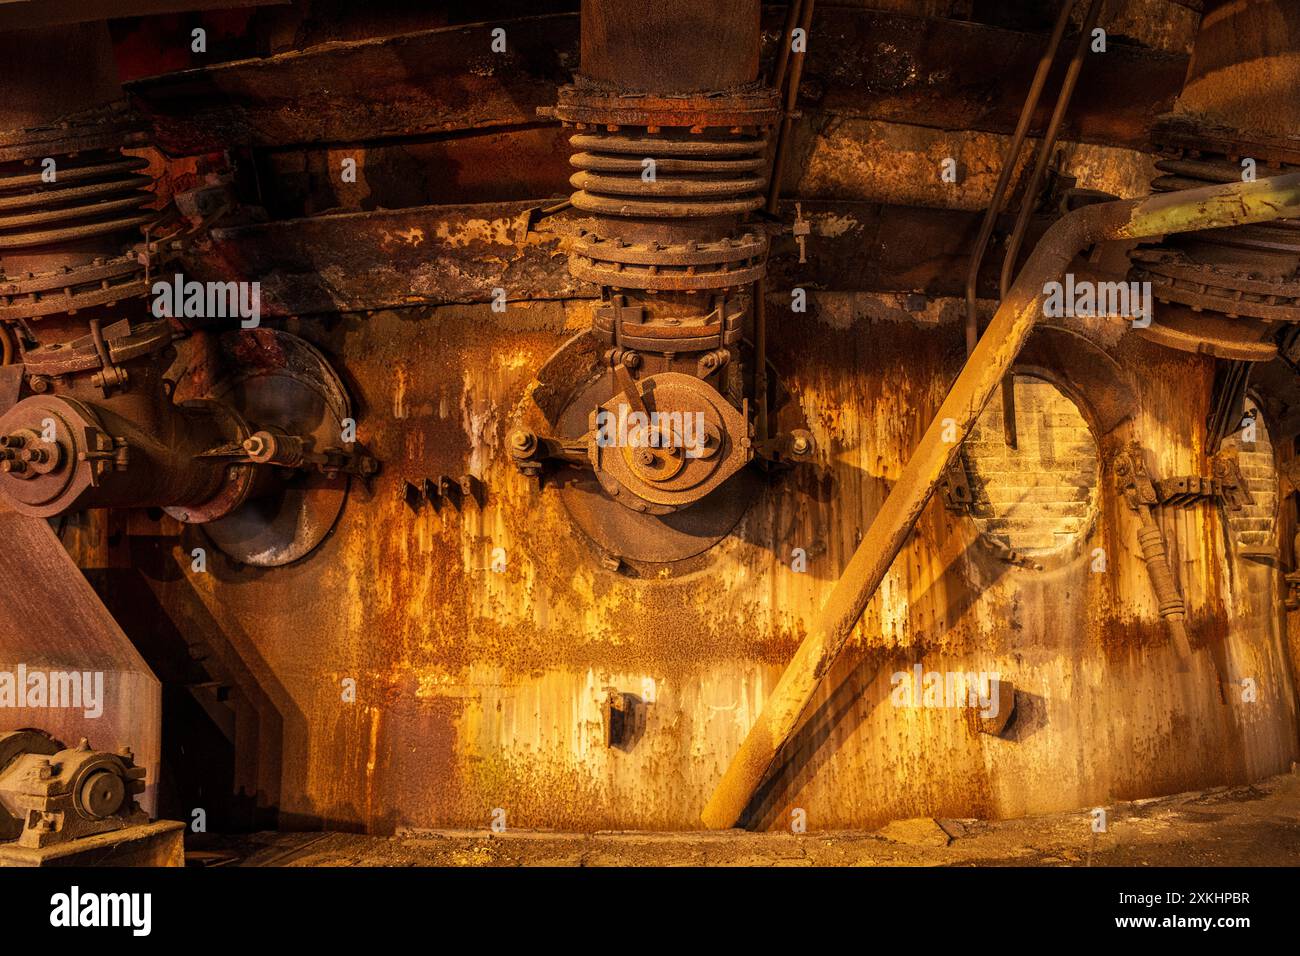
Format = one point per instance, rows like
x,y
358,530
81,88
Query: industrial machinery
x,y
730,366
673,156
51,793
92,412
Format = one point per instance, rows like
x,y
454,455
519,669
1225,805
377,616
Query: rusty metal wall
x,y
478,690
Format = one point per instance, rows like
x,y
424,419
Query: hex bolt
x,y
801,444
254,445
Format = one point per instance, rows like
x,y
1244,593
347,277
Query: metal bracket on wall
x,y
955,487
446,490
1226,487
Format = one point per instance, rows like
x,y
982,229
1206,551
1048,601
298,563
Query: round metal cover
x,y
278,380
630,535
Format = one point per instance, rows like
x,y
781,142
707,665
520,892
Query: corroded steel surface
x,y
428,666
996,351
357,262
409,257
1245,68
479,689
441,80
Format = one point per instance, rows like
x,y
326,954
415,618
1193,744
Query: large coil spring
x,y
654,176
70,199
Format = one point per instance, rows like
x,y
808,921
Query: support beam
x,y
444,255
433,82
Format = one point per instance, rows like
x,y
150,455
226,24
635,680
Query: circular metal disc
x,y
102,794
277,529
639,536
277,379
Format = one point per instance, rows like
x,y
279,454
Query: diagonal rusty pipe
x,y
1209,208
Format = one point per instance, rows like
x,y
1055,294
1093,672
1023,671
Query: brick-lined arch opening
x,y
1254,527
1039,497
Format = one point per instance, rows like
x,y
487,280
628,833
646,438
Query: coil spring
x,y
695,177
91,195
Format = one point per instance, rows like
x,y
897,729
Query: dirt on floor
x,y
1257,825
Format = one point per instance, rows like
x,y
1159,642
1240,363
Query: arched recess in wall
x,y
1254,526
1038,497
1037,502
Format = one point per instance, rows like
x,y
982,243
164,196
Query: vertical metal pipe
x,y
1008,170
799,12
1045,148
1031,195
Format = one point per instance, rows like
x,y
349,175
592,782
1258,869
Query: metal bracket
x,y
1227,486
801,230
787,447
955,487
1133,480
445,491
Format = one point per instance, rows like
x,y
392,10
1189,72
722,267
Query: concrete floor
x,y
1256,825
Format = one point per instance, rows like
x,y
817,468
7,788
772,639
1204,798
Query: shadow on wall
x,y
223,724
